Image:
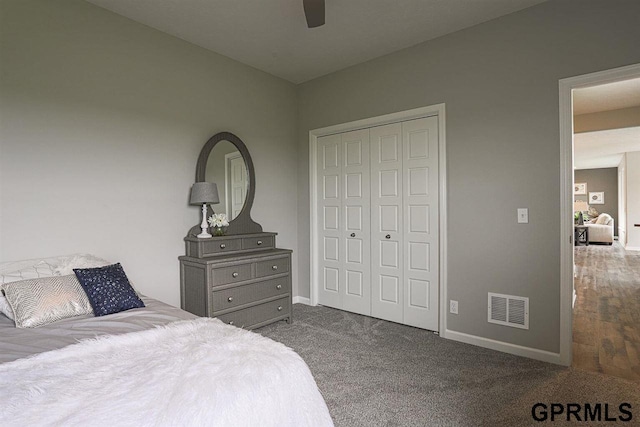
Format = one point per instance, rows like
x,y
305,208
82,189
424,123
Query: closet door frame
x,y
429,111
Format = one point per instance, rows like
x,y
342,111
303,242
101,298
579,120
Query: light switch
x,y
523,215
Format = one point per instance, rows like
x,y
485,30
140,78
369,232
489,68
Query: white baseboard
x,y
518,350
301,300
632,248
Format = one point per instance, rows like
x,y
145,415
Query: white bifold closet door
x,y
378,201
344,221
404,222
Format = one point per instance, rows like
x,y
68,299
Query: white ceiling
x,y
272,35
610,96
604,149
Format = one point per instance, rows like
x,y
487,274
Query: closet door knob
x,y
259,242
230,299
279,308
353,234
222,246
274,267
388,236
278,287
234,274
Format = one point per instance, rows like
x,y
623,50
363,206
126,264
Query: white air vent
x,y
509,310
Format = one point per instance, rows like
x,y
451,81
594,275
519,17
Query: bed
x,y
154,365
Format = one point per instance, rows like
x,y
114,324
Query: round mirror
x,y
227,169
226,161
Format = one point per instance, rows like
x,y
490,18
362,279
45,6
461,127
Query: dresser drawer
x,y
272,266
249,317
220,246
244,294
266,242
233,274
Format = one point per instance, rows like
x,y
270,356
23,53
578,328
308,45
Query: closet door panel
x,y
387,293
330,229
356,222
420,203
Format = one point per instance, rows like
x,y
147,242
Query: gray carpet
x,y
377,373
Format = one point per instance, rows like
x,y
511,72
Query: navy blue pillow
x,y
108,289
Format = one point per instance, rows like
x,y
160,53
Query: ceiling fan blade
x,y
314,11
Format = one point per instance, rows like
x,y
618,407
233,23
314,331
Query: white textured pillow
x,y
22,270
70,262
603,219
37,302
13,272
5,308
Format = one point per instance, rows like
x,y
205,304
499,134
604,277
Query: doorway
x,y
236,185
585,257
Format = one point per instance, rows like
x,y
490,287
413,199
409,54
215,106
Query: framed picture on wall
x,y
596,198
580,188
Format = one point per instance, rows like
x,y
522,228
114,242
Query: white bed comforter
x,y
188,373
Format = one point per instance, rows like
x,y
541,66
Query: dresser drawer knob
x,y
274,267
279,308
230,299
259,242
278,287
231,322
234,274
222,246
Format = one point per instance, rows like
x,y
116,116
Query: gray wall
x,y
102,121
499,81
603,179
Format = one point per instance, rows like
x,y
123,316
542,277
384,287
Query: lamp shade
x,y
580,206
204,192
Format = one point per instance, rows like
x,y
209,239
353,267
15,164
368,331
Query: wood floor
x,y
606,316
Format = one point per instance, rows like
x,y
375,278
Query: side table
x,y
581,235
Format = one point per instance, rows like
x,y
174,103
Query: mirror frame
x,y
241,224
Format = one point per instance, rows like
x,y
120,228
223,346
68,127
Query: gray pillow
x,y
37,302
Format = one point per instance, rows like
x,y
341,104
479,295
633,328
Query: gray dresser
x,y
243,280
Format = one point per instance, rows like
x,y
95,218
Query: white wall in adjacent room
x,y
622,201
633,199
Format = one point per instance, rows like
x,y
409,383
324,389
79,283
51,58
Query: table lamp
x,y
580,206
203,193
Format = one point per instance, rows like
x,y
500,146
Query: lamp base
x,y
204,225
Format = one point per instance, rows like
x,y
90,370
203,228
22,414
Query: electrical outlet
x,y
453,306
523,215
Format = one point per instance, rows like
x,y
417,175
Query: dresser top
x,y
227,237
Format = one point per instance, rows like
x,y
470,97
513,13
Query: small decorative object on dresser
x,y
219,223
240,278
